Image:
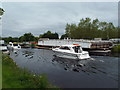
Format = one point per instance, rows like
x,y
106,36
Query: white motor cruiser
x,y
71,51
3,47
12,46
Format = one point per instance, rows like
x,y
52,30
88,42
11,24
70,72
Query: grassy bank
x,y
14,77
0,70
116,49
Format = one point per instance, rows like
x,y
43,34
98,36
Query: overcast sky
x,y
37,18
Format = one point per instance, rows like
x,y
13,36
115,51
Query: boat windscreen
x,y
15,44
77,49
3,45
65,48
10,44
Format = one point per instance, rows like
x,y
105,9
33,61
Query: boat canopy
x,y
75,48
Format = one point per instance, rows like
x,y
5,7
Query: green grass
x,y
0,70
14,77
116,49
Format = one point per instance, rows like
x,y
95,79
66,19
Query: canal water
x,y
97,72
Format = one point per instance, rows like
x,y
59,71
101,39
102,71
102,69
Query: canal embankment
x,y
15,77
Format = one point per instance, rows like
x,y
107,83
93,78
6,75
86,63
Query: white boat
x,y
3,47
71,51
12,46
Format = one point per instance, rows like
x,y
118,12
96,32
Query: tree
x,y
10,39
55,36
27,37
67,29
87,29
50,35
36,39
1,11
64,36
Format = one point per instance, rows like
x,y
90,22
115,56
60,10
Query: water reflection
x,y
69,64
77,65
28,54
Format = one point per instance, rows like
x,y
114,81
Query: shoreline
x,y
15,77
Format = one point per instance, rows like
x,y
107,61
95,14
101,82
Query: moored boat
x,y
3,47
13,46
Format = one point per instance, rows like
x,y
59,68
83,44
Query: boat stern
x,y
83,55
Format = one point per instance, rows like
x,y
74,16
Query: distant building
x,y
43,39
115,40
3,47
98,39
94,44
2,42
25,42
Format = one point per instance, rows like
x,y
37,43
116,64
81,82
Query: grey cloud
x,y
37,18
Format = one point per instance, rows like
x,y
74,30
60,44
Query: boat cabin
x,y
72,48
14,45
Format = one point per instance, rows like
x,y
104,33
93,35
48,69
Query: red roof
x,y
33,42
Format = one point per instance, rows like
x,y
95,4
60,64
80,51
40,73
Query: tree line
x,y
90,29
27,37
85,29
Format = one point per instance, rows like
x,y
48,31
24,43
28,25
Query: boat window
x,y
65,48
77,49
10,44
3,45
15,44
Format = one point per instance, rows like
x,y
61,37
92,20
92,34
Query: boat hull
x,y
65,55
3,48
84,55
13,48
71,55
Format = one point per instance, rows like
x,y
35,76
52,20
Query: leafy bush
x,y
116,49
